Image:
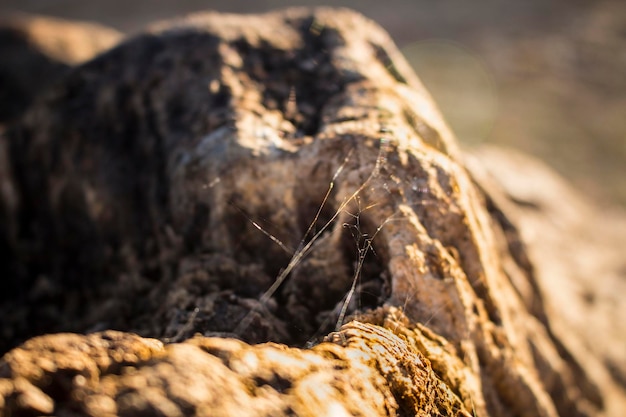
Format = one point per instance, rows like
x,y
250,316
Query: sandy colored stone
x,y
573,250
362,370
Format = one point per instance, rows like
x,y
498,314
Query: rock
x,y
362,370
212,177
36,51
575,250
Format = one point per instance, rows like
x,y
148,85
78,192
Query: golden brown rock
x,y
214,177
366,370
575,250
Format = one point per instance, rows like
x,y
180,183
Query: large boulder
x,y
280,178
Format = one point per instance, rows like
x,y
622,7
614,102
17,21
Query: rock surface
x,y
214,177
363,370
576,253
36,51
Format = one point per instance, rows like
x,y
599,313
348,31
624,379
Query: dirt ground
x,y
547,78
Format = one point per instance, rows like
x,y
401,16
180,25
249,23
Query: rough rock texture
x,y
37,51
576,251
366,370
212,176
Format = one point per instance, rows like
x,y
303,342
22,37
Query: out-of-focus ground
x,y
548,78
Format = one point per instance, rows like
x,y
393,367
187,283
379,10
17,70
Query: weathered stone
x,y
212,176
574,252
36,51
366,370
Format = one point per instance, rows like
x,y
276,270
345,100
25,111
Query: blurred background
x,y
548,78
